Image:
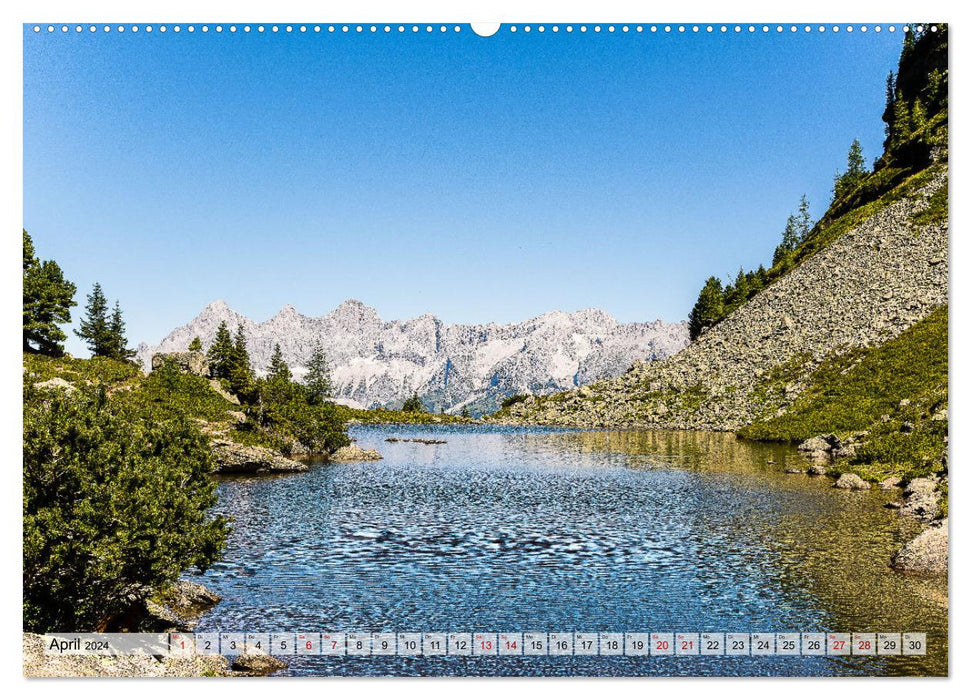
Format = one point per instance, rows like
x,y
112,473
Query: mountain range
x,y
451,367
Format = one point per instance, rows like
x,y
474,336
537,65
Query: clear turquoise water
x,y
510,529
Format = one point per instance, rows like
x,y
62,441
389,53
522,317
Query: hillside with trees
x,y
118,464
846,333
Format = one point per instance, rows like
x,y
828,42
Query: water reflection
x,y
504,529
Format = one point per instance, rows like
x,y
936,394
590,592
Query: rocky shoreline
x,y
176,609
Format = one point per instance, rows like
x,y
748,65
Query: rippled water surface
x,y
504,530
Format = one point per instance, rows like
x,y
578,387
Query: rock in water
x,y
258,664
353,453
926,553
176,608
234,458
188,598
814,444
851,482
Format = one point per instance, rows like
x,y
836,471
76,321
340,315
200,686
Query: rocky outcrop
x,y
921,499
926,553
190,361
257,664
450,366
233,458
56,384
851,482
862,290
824,449
177,608
38,664
353,453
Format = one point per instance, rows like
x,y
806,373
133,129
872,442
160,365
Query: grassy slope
x,y
862,391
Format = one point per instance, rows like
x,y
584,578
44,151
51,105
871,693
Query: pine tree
x,y
465,412
195,345
901,122
413,405
855,171
890,98
48,299
804,220
708,310
762,276
119,343
934,92
239,372
95,328
739,291
317,380
790,241
918,116
220,354
855,163
239,356
279,370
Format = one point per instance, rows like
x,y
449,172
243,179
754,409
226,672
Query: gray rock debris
x,y
926,553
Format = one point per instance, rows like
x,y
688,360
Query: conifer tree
x,y
413,405
119,343
739,291
279,370
95,328
855,171
195,345
708,310
240,373
762,277
48,299
317,380
220,354
901,122
790,240
804,220
918,116
888,108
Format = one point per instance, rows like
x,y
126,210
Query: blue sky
x,y
474,178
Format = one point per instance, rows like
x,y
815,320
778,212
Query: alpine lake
x,y
504,529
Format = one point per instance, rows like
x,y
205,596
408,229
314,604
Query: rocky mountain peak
x,y
450,366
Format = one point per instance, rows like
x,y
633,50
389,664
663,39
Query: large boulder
x,y
190,361
926,553
233,458
189,599
353,453
815,444
176,608
851,482
258,664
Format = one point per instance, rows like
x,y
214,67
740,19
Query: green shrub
x,y
97,370
413,405
167,392
115,504
514,399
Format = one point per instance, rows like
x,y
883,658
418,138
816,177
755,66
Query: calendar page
x,y
520,349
